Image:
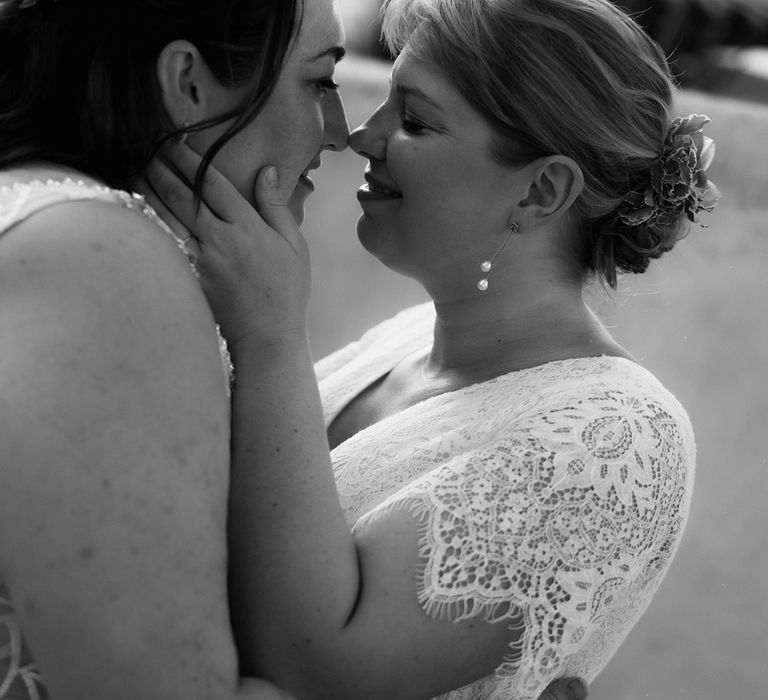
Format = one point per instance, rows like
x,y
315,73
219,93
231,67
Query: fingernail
x,y
578,688
271,176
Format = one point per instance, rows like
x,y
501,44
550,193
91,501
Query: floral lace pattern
x,y
19,677
554,497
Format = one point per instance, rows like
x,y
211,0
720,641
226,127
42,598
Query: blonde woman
x,y
506,486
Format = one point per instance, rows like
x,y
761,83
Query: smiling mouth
x,y
375,186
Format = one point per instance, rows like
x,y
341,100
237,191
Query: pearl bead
x,y
486,266
482,285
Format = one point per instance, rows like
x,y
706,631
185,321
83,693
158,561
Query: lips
x,y
314,165
379,187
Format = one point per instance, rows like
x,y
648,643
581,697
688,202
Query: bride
x,y
505,486
114,439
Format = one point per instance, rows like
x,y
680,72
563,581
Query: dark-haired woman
x,y
506,486
114,385
114,438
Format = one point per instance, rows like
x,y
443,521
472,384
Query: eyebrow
x,y
337,52
417,92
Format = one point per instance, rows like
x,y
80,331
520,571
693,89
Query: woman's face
x,y
436,204
303,116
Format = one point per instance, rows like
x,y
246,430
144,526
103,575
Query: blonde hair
x,y
573,77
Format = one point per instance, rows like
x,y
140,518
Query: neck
x,y
498,333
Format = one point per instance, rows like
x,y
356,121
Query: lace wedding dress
x,y
19,676
557,494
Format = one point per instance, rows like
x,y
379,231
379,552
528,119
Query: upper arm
x,y
402,644
113,458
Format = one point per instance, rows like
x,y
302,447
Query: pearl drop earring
x,y
182,137
487,265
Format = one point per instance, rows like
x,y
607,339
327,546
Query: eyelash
x,y
326,84
411,126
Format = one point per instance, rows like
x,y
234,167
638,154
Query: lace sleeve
x,y
566,520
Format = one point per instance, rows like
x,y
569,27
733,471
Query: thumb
x,y
272,205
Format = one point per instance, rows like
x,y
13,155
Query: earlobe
x,y
182,76
556,184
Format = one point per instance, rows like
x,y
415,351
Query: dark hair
x,y
78,83
573,77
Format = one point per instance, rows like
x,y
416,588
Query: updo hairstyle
x,y
78,83
573,77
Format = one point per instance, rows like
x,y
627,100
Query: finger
x,y
218,192
565,689
577,689
273,207
178,199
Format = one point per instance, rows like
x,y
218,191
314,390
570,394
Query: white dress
x,y
19,676
558,492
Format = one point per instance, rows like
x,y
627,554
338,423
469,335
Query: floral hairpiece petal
x,y
678,184
707,153
688,125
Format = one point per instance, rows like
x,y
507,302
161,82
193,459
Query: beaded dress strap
x,y
20,200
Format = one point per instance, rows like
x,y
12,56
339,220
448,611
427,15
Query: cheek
x,y
308,133
293,143
446,188
232,160
271,139
424,169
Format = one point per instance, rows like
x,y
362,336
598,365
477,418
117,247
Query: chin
x,y
378,244
366,235
296,207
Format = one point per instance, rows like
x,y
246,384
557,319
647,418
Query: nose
x,y
336,125
369,139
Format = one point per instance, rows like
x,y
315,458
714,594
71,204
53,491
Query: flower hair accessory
x,y
679,183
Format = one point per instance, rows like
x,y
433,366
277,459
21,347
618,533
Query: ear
x,y
189,90
555,184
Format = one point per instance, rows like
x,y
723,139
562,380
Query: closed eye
x,y
326,85
410,126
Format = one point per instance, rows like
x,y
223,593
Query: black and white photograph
x,y
383,349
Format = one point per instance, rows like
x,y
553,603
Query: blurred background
x,y
698,319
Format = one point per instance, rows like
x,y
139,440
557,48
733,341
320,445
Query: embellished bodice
x,y
556,494
19,677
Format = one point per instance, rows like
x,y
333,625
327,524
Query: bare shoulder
x,y
95,297
90,237
109,290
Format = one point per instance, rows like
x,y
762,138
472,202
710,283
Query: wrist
x,y
258,344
